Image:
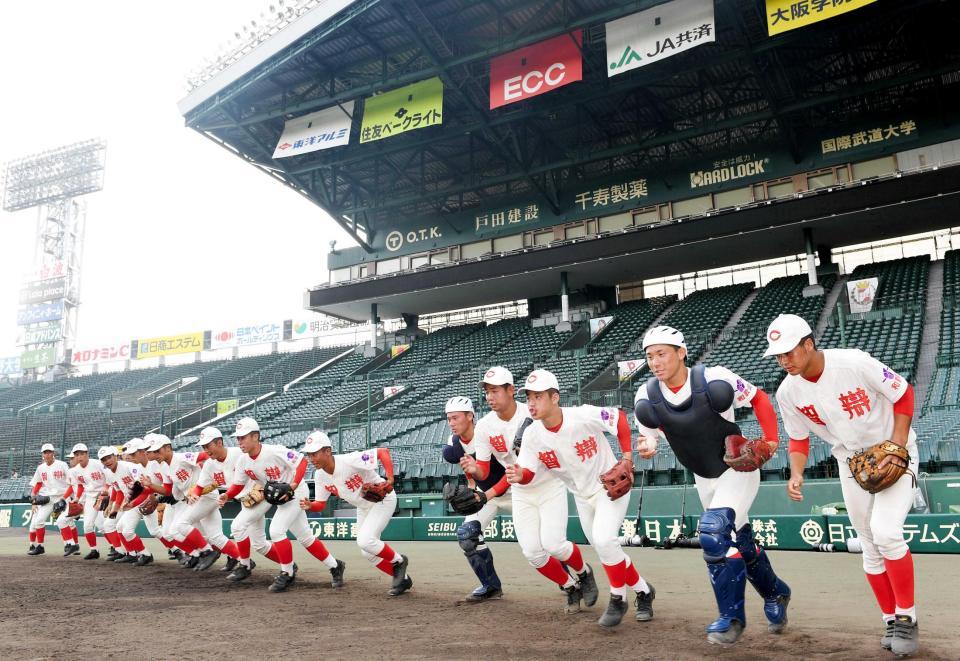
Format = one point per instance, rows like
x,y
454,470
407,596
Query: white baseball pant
x,y
371,522
601,519
127,524
41,514
732,489
540,521
290,517
490,510
205,515
249,523
93,519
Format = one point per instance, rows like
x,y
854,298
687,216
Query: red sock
x,y
41,532
231,549
575,561
113,539
272,553
900,574
385,566
136,544
75,535
616,574
243,548
127,545
386,553
166,542
555,572
194,540
317,550
33,536
284,551
91,538
631,576
65,535
883,591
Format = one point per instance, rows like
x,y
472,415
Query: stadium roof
x,y
745,89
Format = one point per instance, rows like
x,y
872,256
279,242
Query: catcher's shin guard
x,y
775,593
727,573
470,537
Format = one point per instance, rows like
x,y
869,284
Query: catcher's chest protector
x,y
694,429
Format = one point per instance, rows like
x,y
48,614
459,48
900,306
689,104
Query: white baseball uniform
x,y
53,483
65,521
127,474
205,513
181,473
493,506
93,479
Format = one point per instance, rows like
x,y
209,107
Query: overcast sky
x,y
185,236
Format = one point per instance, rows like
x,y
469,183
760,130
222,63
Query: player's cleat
x,y
126,559
616,609
405,585
780,608
906,636
644,604
36,550
144,560
399,571
94,554
191,562
70,549
184,559
726,637
242,572
112,554
337,574
283,581
484,593
207,558
573,596
588,586
174,554
231,564
886,642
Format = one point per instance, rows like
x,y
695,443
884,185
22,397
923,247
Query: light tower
x,y
54,182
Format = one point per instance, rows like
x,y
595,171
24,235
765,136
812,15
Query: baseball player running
x,y
108,501
694,410
68,510
49,483
460,418
279,471
124,478
539,508
570,442
132,476
853,401
91,481
353,477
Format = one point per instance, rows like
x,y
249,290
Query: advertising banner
x,y
324,129
101,354
224,406
55,269
390,391
36,314
627,368
39,291
44,335
412,107
785,15
38,358
658,33
10,365
398,349
170,344
536,69
244,336
862,294
598,324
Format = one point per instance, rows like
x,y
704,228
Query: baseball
x,y
646,444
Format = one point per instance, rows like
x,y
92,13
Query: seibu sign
x,y
537,69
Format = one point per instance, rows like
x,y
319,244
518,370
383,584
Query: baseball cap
x,y
785,333
316,441
540,380
497,376
664,335
156,441
455,404
47,447
133,445
79,447
245,426
106,451
209,434
70,455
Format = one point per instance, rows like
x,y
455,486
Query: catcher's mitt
x,y
136,490
865,466
39,500
619,479
462,499
149,506
59,506
161,509
277,493
254,497
103,503
746,455
74,509
167,500
375,492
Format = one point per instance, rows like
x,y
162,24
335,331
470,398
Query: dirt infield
x,y
54,607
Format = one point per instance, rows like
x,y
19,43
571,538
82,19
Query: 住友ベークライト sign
x,y
412,107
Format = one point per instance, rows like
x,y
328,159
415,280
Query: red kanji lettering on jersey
x,y
60,475
80,479
333,489
498,443
127,480
251,474
182,475
159,476
273,472
586,448
549,459
811,412
43,476
219,478
855,402
354,482
96,476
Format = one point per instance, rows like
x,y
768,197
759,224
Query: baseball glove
x,y
375,492
207,489
746,455
254,497
136,490
277,493
167,500
59,506
618,480
149,506
39,500
104,502
161,509
865,466
462,499
74,509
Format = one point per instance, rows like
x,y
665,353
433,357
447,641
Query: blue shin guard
x,y
478,555
775,593
727,574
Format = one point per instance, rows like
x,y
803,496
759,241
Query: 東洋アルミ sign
x,y
536,69
323,129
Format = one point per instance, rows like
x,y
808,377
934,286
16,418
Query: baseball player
x,y
539,508
91,481
280,472
136,471
49,484
353,477
108,501
570,442
66,523
693,408
853,401
460,446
